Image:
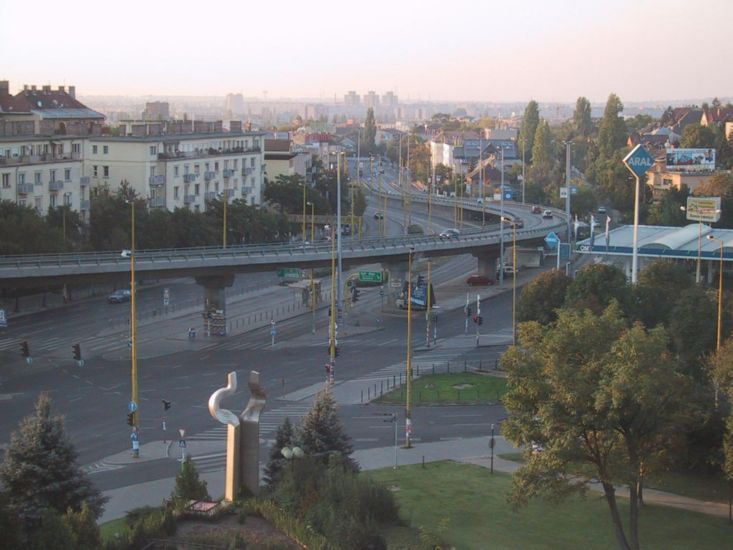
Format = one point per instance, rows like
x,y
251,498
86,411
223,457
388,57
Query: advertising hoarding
x,y
703,209
691,160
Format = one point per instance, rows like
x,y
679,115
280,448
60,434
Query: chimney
x,y
62,89
33,87
72,92
47,88
25,87
4,87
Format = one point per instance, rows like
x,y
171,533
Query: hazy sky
x,y
550,50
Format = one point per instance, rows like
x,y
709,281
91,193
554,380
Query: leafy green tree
x,y
602,400
692,326
188,485
84,526
359,202
612,131
582,122
719,185
638,123
697,135
668,210
189,228
321,432
110,219
596,286
284,437
53,531
369,133
11,532
528,129
69,223
614,181
39,470
542,296
24,231
286,192
660,285
722,365
543,155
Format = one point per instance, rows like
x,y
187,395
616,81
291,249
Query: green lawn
x,y
109,529
462,387
472,503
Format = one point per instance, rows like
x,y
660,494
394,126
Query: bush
x,y
188,485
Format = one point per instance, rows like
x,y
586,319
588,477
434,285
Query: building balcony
x,y
208,176
189,178
55,185
229,192
246,171
157,180
157,202
189,199
84,204
211,195
228,173
84,180
25,188
210,152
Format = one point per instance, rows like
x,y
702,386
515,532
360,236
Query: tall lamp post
x,y
133,321
698,273
501,215
225,199
304,204
720,305
408,366
313,284
514,276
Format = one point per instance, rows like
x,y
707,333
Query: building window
x,y
196,189
216,167
667,182
67,199
67,174
175,171
152,171
21,178
196,208
38,204
105,149
105,171
252,162
185,169
153,150
52,200
76,147
94,149
206,165
95,171
175,192
216,186
52,175
6,181
196,169
226,164
37,178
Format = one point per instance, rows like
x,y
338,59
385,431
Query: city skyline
x,y
642,51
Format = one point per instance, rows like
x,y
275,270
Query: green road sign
x,y
290,273
370,276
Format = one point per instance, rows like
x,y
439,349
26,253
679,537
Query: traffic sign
x,y
370,276
639,161
166,297
3,319
552,239
290,272
132,406
564,191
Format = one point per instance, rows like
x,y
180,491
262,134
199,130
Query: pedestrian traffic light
x,y
77,351
480,320
130,419
24,349
166,405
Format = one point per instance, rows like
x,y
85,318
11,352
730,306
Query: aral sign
x,y
639,161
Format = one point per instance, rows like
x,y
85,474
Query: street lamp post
x,y
429,309
408,393
332,319
514,277
720,305
304,204
133,323
313,284
698,273
225,198
501,215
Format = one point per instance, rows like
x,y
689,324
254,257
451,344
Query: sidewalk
x,y
469,450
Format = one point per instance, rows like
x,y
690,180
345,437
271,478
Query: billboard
x,y
703,209
691,160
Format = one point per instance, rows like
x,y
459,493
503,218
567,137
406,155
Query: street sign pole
x,y
478,314
273,332
638,161
635,245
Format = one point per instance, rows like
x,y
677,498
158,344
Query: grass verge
x,y
448,389
108,529
469,505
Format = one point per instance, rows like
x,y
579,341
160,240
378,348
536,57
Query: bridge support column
x,y
487,264
215,307
393,288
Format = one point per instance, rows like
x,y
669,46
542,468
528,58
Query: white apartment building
x,y
181,169
44,172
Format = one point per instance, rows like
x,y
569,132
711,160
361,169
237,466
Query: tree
x,y
84,526
543,156
369,134
24,231
284,437
612,129
9,527
542,296
582,122
692,325
596,286
667,211
697,135
719,185
602,400
530,121
53,532
722,365
321,432
40,471
188,485
660,284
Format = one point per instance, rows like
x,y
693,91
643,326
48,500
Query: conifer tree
x,y
40,471
188,485
285,437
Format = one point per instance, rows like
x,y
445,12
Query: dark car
x,y
119,296
378,216
479,280
516,222
450,234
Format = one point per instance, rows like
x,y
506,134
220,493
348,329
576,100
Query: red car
x,y
479,280
536,210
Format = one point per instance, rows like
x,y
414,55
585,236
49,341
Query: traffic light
x,y
24,349
354,294
130,419
468,311
166,405
480,320
77,351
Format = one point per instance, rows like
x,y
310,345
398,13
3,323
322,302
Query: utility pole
x,y
524,162
340,303
481,186
430,202
429,310
332,317
567,188
501,226
408,400
478,316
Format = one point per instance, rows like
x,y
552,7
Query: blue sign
x,y
639,161
273,332
3,319
564,251
132,406
552,239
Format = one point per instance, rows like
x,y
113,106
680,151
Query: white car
x,y
450,234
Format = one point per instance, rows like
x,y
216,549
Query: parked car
x,y
536,209
547,214
450,234
479,280
508,270
601,209
119,296
378,216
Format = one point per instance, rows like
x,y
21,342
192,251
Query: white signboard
x,y
703,209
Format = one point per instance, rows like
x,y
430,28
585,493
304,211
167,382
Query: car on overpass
x,y
547,214
450,234
536,209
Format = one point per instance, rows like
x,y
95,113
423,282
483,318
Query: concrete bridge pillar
x,y
393,289
487,263
215,307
